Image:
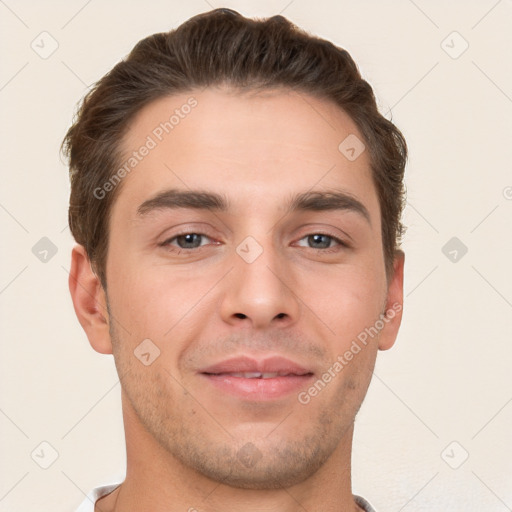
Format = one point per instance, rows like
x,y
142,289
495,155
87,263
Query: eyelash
x,y
341,243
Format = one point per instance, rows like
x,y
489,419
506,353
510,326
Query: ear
x,y
394,304
89,301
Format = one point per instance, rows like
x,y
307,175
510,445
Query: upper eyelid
x,y
339,240
172,238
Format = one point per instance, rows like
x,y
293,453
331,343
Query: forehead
x,y
250,144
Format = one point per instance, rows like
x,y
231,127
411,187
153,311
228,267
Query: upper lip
x,y
242,364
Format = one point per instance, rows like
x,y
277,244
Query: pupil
x,y
318,239
189,238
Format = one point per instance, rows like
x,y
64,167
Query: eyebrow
x,y
328,200
174,198
203,200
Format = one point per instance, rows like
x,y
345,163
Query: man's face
x,y
260,286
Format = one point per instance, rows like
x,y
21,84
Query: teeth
x,y
254,375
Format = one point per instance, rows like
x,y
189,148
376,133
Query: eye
x,y
185,241
323,241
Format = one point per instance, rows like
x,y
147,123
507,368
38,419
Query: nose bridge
x,y
259,290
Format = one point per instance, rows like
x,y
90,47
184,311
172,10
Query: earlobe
x,y
394,304
89,301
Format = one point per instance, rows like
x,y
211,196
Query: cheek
x,y
160,302
138,304
349,300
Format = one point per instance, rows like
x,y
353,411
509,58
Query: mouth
x,y
258,379
256,375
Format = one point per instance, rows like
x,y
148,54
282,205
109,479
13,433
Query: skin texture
x,y
190,446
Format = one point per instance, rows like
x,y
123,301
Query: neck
x,y
157,481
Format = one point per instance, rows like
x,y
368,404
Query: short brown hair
x,y
210,49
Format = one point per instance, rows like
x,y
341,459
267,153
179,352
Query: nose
x,y
259,293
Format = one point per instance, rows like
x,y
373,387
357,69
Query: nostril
x,y
240,315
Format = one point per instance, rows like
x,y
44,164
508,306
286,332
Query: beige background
x,y
447,379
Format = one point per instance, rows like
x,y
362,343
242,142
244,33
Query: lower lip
x,y
259,389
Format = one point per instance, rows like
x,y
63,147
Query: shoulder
x,y
97,493
364,504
